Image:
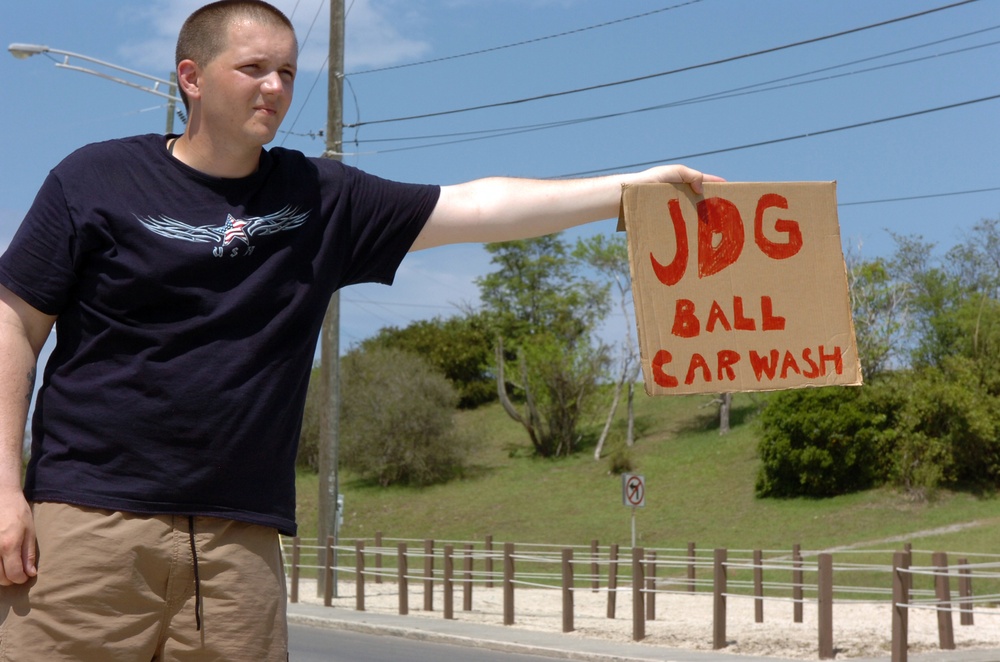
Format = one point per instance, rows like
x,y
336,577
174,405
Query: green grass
x,y
699,488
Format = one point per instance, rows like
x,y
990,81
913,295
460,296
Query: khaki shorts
x,y
121,587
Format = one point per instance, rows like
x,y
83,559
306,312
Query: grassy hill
x,y
699,488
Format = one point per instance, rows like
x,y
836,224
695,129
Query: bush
x,y
949,431
308,453
824,442
397,419
620,460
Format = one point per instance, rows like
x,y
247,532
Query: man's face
x,y
247,88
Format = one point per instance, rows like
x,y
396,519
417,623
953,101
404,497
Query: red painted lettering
x,y
686,325
814,370
837,358
789,364
673,272
791,228
740,322
770,321
720,235
715,315
764,365
727,359
698,362
660,375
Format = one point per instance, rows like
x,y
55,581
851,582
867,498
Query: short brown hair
x,y
204,34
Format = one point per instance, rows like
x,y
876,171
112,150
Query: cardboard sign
x,y
743,288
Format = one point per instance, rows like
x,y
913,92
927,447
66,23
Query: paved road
x,y
343,635
317,644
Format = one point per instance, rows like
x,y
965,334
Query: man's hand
x,y
18,555
679,174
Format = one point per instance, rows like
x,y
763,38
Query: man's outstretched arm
x,y
23,331
503,209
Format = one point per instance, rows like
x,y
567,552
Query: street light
x,y
150,84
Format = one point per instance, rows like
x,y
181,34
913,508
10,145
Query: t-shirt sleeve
x,y
38,264
385,218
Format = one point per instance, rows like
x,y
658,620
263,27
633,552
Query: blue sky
x,y
920,64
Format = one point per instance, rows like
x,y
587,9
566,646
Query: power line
x,y
755,88
693,67
526,41
319,73
776,141
918,197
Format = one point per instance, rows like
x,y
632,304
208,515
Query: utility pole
x,y
329,432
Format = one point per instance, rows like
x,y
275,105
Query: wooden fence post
x,y
467,583
403,580
612,580
428,575
567,590
965,592
825,582
296,554
595,570
378,557
328,572
651,586
691,568
449,584
638,585
758,586
359,575
508,583
719,600
488,555
942,590
900,606
797,583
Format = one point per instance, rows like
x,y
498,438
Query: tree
x,y
397,419
460,347
544,313
307,456
934,418
537,288
609,257
878,306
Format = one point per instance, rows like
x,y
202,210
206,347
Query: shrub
x,y
397,419
949,431
823,442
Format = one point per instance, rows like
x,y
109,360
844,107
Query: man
x,y
187,278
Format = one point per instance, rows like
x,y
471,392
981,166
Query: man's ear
x,y
189,78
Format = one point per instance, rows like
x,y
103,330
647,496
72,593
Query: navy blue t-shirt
x,y
188,312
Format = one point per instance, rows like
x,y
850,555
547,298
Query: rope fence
x,y
887,578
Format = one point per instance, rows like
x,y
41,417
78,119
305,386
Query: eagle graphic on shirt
x,y
234,230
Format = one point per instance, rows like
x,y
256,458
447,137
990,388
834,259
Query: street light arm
x,y
22,51
154,89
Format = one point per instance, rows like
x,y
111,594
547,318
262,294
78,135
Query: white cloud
x,y
376,32
375,37
156,27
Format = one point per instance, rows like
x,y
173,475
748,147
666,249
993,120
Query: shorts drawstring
x,y
197,580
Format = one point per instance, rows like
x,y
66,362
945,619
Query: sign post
x,y
634,495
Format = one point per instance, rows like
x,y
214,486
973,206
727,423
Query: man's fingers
x,y
29,556
18,548
12,571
